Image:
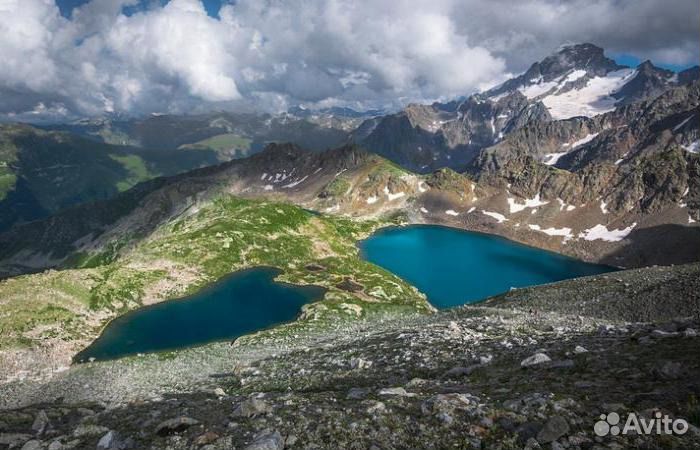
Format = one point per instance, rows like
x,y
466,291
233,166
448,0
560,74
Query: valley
x,y
368,231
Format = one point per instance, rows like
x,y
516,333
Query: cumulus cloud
x,y
269,54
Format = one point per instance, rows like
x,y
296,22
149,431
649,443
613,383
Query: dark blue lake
x,y
244,302
453,267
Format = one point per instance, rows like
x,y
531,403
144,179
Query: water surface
x,y
453,267
241,303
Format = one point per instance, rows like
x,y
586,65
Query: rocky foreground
x,y
533,369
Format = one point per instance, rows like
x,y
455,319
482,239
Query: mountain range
x,y
578,155
577,81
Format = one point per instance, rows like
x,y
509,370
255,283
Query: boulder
x,y
41,423
267,440
175,425
110,441
251,407
555,428
537,358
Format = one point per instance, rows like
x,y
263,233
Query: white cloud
x,y
269,54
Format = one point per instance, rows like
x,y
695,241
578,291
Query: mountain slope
x,y
462,376
180,251
577,81
251,131
43,172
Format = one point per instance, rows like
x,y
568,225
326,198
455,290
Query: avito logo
x,y
659,424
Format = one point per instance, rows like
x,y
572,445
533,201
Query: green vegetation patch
x,y
136,168
228,143
7,181
338,187
189,252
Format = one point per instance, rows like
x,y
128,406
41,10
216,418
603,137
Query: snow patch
x,y
603,207
391,196
575,75
423,210
551,231
295,183
535,90
471,210
551,159
499,217
268,187
563,205
591,100
693,147
451,212
601,232
371,200
584,140
677,127
529,203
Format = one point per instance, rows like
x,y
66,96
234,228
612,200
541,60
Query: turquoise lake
x,y
244,302
453,267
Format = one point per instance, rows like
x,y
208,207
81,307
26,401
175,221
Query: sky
x,y
67,59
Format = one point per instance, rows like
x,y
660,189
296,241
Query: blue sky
x,y
632,61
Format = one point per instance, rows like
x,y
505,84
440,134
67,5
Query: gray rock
x,y
109,441
563,364
14,439
456,372
528,431
445,418
557,446
251,407
357,393
485,359
267,440
291,440
89,430
555,428
175,425
661,334
579,349
396,391
32,445
442,403
41,423
537,358
56,445
219,392
670,370
376,407
359,363
532,444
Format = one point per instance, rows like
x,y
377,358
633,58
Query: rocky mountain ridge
x,y
577,81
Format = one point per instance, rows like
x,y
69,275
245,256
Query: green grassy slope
x,y
189,252
43,172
